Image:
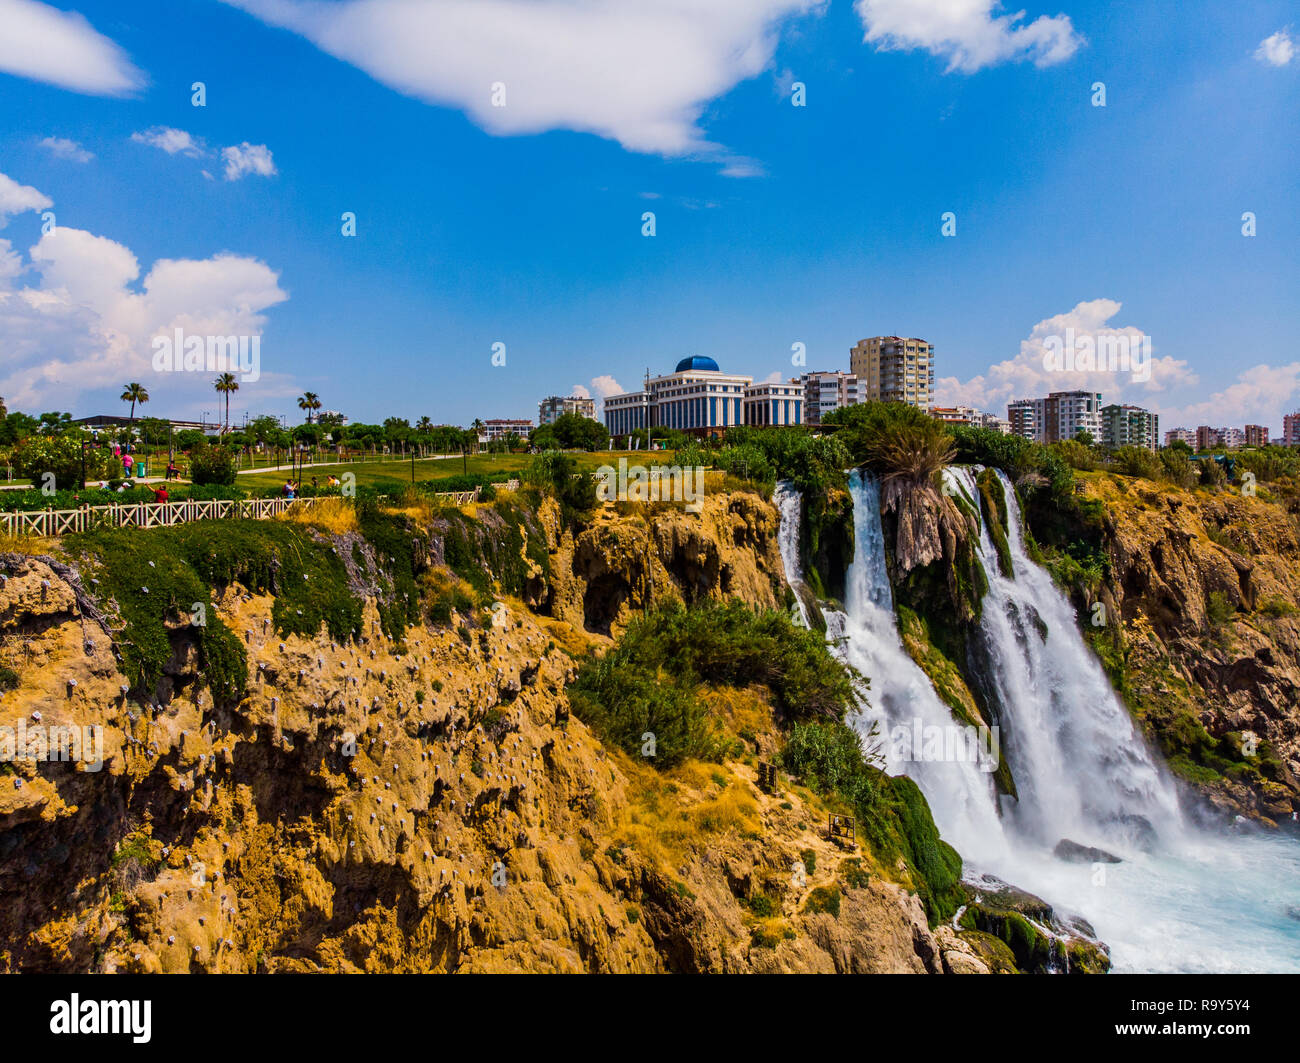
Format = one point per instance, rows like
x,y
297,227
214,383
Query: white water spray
x,y
1182,899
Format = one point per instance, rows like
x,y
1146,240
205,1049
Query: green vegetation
x,y
894,440
891,811
646,684
823,899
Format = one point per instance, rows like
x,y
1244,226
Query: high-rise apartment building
x,y
825,392
1291,429
894,369
1183,435
1123,425
1026,418
551,408
1062,415
1256,435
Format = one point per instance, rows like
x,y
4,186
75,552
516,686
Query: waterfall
x,y
1182,898
904,716
789,503
1082,770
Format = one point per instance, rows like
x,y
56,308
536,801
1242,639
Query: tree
x,y
478,431
134,393
309,401
225,384
424,425
62,456
154,431
212,465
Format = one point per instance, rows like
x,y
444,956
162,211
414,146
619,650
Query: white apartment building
x,y
1062,415
828,391
1180,435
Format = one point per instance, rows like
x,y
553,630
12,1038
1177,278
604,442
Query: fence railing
x,y
50,523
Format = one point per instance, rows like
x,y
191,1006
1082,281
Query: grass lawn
x,y
372,473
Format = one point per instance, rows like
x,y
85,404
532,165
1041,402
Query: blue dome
x,y
697,361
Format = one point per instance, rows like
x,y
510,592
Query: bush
x,y
1178,469
61,456
1138,461
647,683
212,465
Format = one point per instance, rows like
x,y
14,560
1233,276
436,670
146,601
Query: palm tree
x,y
478,429
309,401
134,393
424,425
225,384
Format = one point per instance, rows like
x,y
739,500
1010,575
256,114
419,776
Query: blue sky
x,y
775,224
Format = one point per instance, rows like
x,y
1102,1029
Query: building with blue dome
x,y
699,398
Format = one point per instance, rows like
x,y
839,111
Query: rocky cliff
x,y
1200,627
332,745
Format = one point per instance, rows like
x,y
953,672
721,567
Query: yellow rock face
x,y
423,806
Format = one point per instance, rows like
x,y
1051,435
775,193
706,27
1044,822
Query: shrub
x,y
1138,461
61,456
212,465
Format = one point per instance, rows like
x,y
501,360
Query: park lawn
x,y
373,473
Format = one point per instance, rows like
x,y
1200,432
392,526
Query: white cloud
x,y
61,48
172,141
62,148
1276,50
16,198
605,386
637,73
1261,395
1027,377
248,158
966,32
89,321
579,392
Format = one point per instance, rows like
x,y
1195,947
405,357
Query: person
x,y
126,464
160,493
172,471
288,489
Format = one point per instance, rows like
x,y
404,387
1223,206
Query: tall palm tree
x,y
309,401
134,393
478,428
422,425
225,384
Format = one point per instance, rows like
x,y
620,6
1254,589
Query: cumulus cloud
x,y
62,148
967,33
16,198
1261,395
89,320
243,159
61,48
172,141
640,74
606,385
1277,49
579,392
1033,373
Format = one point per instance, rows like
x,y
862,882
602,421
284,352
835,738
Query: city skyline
x,y
775,225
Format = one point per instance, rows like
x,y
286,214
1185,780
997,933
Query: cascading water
x,y
789,503
1182,899
903,706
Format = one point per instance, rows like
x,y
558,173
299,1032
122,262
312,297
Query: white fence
x,y
49,523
